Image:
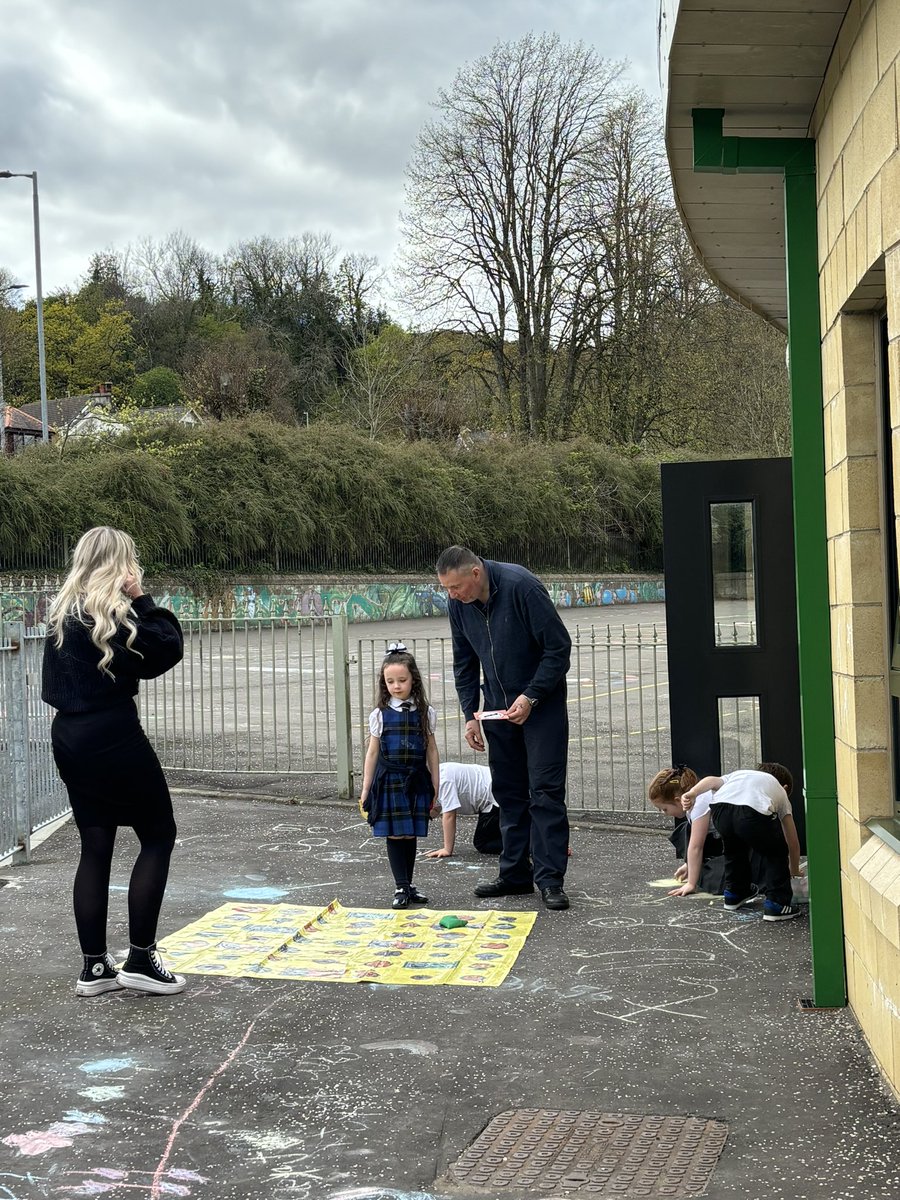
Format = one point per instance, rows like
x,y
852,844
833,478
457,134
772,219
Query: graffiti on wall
x,y
285,601
568,594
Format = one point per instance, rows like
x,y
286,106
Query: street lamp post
x,y
42,361
9,287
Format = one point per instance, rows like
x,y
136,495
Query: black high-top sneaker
x,y
99,975
145,971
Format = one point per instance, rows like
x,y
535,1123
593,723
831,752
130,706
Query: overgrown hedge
x,y
223,492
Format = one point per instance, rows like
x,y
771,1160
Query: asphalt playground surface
x,y
630,1003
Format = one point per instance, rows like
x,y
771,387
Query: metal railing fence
x,y
31,793
250,697
618,710
605,552
8,780
280,699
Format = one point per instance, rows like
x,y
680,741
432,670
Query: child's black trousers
x,y
743,829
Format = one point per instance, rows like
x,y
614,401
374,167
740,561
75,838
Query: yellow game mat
x,y
350,945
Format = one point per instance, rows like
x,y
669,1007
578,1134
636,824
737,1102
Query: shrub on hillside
x,y
252,490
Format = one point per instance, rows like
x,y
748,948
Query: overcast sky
x,y
229,119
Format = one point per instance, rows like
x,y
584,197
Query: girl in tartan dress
x,y
400,776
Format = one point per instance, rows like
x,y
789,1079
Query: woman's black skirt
x,y
110,770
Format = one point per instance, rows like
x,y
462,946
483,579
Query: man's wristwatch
x,y
531,700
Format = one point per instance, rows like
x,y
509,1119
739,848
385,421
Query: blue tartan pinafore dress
x,y
402,793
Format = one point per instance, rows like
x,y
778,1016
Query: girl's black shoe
x,y
145,971
415,896
99,975
401,898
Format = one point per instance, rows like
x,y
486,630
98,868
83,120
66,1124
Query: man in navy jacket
x,y
505,626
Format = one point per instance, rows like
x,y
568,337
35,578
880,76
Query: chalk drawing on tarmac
x,y
364,1193
29,1180
415,1048
57,1136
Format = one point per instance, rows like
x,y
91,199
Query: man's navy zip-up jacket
x,y
516,638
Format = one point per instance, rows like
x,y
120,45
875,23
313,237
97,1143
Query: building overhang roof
x,y
763,62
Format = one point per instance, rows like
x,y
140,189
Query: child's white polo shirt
x,y
700,807
466,789
754,789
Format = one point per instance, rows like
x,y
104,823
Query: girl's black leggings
x,y
145,890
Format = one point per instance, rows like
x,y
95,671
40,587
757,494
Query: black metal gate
x,y
731,616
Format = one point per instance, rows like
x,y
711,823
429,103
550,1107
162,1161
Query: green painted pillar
x,y
796,159
813,614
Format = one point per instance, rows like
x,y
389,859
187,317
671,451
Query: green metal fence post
x,y
342,727
20,742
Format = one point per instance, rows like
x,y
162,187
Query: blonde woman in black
x,y
104,636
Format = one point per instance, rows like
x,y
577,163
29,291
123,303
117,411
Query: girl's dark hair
x,y
402,658
670,783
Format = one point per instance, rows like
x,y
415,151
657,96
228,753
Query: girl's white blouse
x,y
376,721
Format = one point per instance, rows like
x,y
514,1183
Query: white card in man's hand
x,y
493,714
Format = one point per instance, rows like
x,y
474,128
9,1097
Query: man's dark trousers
x,y
741,829
528,779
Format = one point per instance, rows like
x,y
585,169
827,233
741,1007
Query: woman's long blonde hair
x,y
92,591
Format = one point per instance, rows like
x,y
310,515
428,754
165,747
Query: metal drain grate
x,y
592,1154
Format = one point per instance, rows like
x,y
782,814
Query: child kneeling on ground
x,y
694,837
751,811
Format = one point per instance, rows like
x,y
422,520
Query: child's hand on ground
x,y
441,853
681,873
684,890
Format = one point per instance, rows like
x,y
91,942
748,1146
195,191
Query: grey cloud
x,y
242,117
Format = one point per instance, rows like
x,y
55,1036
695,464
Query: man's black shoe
x,y
500,887
554,897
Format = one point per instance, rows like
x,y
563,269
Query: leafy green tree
x,y
80,354
157,388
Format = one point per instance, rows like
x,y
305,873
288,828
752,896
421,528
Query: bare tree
x,y
495,216
172,269
238,374
645,290
357,281
264,272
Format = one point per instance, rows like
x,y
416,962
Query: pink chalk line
x,y
155,1186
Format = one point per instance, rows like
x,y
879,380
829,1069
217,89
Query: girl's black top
x,y
71,681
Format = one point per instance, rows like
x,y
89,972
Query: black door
x,y
734,686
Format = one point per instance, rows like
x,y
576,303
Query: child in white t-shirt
x,y
465,790
752,811
699,845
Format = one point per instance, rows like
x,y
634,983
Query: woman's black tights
x,y
145,891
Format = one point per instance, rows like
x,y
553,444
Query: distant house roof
x,y
16,420
61,413
182,413
98,418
